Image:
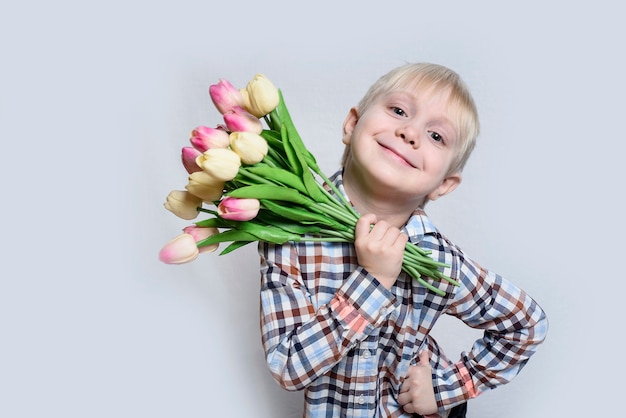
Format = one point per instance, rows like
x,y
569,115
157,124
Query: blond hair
x,y
425,76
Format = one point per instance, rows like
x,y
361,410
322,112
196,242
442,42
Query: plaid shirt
x,y
331,328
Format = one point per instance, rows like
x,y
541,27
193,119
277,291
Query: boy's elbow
x,y
542,326
539,329
284,376
288,383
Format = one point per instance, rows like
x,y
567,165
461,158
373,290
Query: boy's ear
x,y
349,124
447,186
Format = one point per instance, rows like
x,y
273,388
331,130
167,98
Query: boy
x,y
343,321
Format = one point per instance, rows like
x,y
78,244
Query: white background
x,y
96,101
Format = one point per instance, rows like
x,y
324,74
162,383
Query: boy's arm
x,y
513,323
300,341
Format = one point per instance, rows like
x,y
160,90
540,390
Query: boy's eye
x,y
398,111
436,136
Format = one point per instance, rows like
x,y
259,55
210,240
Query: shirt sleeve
x,y
513,323
302,341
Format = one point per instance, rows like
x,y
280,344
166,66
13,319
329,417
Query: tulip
x,y
240,120
250,147
221,163
205,186
189,156
181,249
234,209
225,96
183,204
204,138
260,96
199,233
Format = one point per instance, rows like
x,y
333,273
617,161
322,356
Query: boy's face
x,y
403,144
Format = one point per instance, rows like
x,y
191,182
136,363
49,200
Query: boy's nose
x,y
408,135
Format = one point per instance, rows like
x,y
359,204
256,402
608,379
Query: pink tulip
x,y
198,233
225,96
204,138
181,249
238,209
240,120
189,156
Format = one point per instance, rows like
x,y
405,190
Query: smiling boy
x,y
344,322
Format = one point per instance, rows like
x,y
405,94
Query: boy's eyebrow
x,y
407,94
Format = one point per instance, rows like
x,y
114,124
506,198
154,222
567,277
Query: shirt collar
x,y
418,225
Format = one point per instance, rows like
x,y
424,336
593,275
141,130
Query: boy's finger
x,y
424,358
364,223
401,239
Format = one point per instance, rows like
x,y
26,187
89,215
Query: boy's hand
x,y
417,394
379,248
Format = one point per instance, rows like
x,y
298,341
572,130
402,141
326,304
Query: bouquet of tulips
x,y
259,182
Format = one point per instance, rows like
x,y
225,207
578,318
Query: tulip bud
x,y
240,120
225,96
260,96
204,138
181,249
183,204
205,186
199,234
221,163
189,156
235,209
250,147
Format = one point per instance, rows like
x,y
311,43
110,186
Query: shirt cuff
x,y
362,301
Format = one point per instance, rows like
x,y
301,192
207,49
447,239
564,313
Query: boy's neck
x,y
367,200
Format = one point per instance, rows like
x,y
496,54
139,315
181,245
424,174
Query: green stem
x,y
273,158
252,176
417,276
323,239
414,249
336,191
349,237
424,260
339,215
212,212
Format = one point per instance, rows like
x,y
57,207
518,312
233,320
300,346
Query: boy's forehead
x,y
422,90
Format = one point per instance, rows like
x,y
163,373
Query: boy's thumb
x,y
424,358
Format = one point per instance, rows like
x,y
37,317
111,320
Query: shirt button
x,y
383,311
361,400
366,354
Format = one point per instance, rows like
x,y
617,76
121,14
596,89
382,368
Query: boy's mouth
x,y
395,154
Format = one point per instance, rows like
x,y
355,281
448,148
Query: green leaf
x,y
268,233
296,152
214,223
271,192
276,150
278,175
234,245
267,217
227,236
300,214
294,136
290,152
272,137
